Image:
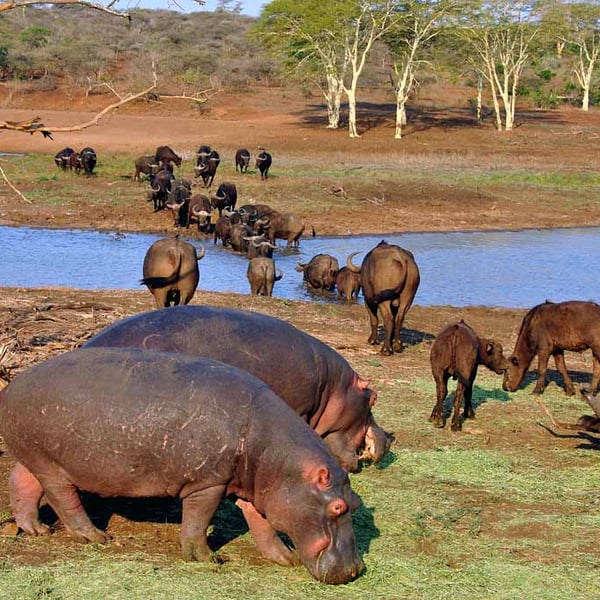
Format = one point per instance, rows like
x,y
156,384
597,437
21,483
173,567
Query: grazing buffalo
x,y
320,271
242,160
457,352
390,277
549,329
347,282
171,271
283,226
147,166
225,197
263,163
321,387
87,161
61,158
160,188
123,422
262,275
165,155
206,167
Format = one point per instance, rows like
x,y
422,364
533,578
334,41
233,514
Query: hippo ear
x,y
363,384
337,507
372,398
323,478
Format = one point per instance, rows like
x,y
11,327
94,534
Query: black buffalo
x,y
225,197
61,158
263,163
242,160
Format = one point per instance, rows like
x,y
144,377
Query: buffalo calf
x,y
456,353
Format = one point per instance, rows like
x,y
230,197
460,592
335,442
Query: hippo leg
x,y
25,495
265,537
559,361
63,497
198,510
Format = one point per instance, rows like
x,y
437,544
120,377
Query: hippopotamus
x,y
122,422
312,378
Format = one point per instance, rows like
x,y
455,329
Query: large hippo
x,y
122,422
311,377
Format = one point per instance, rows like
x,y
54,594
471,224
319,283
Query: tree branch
x,y
12,187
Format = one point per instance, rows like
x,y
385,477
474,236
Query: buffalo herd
x,y
182,440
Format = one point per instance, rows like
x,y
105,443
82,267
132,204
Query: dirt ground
x,y
38,323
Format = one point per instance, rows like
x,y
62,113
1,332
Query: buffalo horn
x,y
593,401
351,266
201,254
278,275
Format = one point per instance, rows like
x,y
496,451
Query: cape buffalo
x,y
285,226
160,187
390,278
320,271
242,160
87,161
549,329
348,282
147,166
171,271
263,163
61,158
165,155
223,230
225,197
206,167
262,275
457,352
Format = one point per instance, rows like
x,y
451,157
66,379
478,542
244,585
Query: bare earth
x,y
38,323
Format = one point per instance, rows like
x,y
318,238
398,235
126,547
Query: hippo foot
x,y
90,534
31,526
195,550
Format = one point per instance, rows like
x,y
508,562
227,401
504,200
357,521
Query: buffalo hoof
x,y
569,390
386,351
398,347
538,389
373,341
439,423
456,426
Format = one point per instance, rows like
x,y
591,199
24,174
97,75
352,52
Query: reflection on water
x,y
499,268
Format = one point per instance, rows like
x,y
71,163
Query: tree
x,y
329,41
577,29
501,34
415,24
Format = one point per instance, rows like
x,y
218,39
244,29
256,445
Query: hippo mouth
x,y
326,569
375,444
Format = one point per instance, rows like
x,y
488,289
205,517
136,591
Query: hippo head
x,y
319,521
349,428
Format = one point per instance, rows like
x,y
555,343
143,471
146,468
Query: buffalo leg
x,y
469,412
441,386
559,361
374,321
198,509
540,384
595,374
265,537
25,494
458,398
387,315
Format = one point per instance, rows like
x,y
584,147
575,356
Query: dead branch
x,y
338,190
12,187
554,422
107,8
33,125
572,131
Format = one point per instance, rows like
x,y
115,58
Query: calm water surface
x,y
499,268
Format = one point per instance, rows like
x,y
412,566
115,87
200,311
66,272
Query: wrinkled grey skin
x,y
313,379
121,422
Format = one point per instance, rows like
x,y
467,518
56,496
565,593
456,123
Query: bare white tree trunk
x,y
333,97
584,70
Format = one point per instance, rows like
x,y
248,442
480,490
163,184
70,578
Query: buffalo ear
x,y
490,348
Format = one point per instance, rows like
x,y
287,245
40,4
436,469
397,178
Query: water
x,y
499,268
